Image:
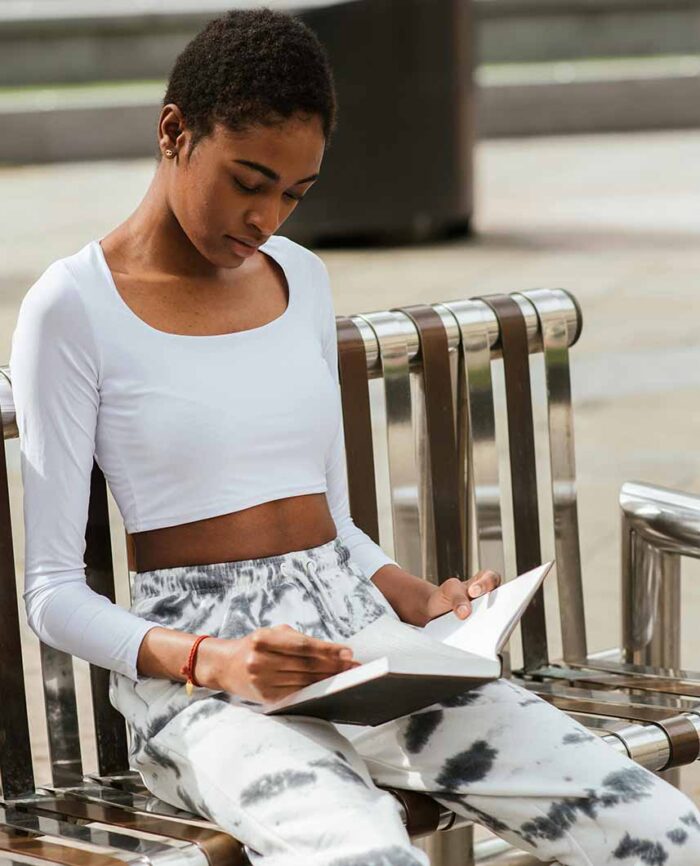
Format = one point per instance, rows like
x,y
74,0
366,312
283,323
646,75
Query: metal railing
x,y
659,526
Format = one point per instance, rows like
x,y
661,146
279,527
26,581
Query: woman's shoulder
x,y
59,282
297,254
311,273
55,301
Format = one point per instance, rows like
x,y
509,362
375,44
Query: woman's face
x,y
242,185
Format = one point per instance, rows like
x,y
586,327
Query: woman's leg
x,y
535,777
293,789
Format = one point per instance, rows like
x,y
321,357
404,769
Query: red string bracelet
x,y
187,670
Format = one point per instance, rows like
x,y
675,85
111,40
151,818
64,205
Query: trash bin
x,y
399,167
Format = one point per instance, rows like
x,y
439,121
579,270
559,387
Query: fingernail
x,y
476,590
346,654
463,608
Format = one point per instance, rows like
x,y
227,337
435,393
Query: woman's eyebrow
x,y
268,172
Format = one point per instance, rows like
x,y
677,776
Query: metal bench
x,y
448,495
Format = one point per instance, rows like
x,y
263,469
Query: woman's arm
x,y
414,599
56,373
55,368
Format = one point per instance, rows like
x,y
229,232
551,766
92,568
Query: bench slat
x,y
390,334
220,848
110,727
15,752
26,817
554,329
357,424
18,842
478,433
523,473
443,468
62,716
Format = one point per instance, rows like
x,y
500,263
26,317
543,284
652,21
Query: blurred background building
x,y
541,66
418,81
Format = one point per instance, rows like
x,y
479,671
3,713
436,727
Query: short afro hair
x,y
252,66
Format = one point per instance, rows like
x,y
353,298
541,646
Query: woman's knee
x,y
338,830
662,831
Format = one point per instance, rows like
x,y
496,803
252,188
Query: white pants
x,y
299,791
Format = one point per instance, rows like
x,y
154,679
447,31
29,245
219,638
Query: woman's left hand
x,y
455,594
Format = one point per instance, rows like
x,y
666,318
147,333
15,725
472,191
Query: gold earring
x,y
170,153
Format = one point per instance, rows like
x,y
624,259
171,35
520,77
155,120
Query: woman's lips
x,y
240,248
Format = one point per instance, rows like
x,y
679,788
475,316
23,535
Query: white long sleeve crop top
x,y
183,427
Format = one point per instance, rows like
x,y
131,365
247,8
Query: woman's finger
x,y
289,641
299,680
311,664
455,594
483,581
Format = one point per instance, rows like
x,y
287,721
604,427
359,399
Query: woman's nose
x,y
265,218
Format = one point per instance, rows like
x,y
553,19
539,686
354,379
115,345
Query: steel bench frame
x,y
420,388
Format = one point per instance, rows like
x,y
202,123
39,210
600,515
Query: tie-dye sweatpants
x,y
299,791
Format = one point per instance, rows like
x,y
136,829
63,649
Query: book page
x,y
404,645
493,616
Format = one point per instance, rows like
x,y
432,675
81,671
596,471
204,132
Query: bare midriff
x,y
268,529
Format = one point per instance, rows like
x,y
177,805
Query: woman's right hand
x,y
269,663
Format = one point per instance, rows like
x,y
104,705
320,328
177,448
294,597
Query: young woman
x,y
192,352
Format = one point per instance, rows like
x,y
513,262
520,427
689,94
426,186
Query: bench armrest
x,y
659,526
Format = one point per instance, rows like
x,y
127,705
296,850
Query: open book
x,y
406,668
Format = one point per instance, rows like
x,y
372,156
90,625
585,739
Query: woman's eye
x,y
254,189
245,188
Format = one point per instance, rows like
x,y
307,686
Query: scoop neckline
x,y
229,335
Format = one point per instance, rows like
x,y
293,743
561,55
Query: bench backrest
x,y
443,468
465,495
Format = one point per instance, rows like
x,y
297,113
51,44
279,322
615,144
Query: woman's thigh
x,y
292,789
536,777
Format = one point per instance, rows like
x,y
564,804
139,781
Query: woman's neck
x,y
152,240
